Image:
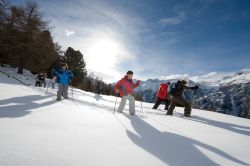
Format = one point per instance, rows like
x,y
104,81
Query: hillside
x,y
38,130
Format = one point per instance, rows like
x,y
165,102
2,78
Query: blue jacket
x,y
63,76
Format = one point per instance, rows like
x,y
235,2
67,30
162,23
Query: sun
x,y
103,54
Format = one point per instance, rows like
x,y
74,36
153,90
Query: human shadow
x,y
21,106
171,148
244,130
100,106
98,97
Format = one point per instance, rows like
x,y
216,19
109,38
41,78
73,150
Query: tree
x,y
76,64
26,41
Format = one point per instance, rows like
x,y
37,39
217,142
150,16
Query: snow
x,y
218,78
215,79
37,130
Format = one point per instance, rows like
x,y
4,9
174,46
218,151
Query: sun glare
x,y
103,54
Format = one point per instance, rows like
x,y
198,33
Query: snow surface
x,y
35,130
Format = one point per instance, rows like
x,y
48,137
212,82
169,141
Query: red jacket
x,y
126,86
163,91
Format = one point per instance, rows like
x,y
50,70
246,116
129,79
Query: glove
x,y
138,82
194,88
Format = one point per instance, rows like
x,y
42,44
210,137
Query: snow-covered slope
x,y
35,130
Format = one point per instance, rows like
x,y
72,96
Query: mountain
x,y
38,130
227,93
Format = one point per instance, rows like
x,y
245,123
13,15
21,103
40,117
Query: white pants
x,y
131,100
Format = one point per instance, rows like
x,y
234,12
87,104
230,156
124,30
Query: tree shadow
x,y
244,130
20,106
171,148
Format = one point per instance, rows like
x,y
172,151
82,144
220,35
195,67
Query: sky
x,y
154,38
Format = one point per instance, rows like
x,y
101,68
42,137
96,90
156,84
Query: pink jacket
x,y
126,86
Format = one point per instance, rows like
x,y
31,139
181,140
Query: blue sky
x,y
154,38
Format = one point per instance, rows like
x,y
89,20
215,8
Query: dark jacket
x,y
180,87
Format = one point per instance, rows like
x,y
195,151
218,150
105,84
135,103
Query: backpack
x,y
173,88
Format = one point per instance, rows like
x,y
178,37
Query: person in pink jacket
x,y
125,87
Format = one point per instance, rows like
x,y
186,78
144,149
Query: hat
x,y
184,81
65,64
130,72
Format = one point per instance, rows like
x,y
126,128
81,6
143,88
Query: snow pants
x,y
62,90
159,101
180,101
131,100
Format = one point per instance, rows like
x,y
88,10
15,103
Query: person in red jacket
x,y
125,87
162,96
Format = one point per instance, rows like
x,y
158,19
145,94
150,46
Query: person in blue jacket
x,y
64,76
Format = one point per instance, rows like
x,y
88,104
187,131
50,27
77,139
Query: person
x,y
98,87
177,98
162,96
64,76
40,79
37,80
125,87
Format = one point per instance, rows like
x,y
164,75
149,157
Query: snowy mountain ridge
x,y
212,79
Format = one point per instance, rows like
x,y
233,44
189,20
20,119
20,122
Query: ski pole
x,y
115,103
72,90
73,94
142,108
194,95
141,102
48,87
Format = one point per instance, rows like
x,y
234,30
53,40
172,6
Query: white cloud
x,y
173,20
176,76
69,33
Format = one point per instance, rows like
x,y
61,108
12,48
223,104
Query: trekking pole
x,y
48,87
72,90
115,103
193,96
141,102
142,108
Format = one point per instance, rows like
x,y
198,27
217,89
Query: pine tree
x,y
76,64
26,41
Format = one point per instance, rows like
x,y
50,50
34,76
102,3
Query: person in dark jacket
x,y
64,76
162,96
98,87
40,79
125,88
177,98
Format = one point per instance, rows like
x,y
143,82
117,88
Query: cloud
x,y
175,76
211,77
173,20
100,26
69,33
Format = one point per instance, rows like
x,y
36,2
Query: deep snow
x,y
38,131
